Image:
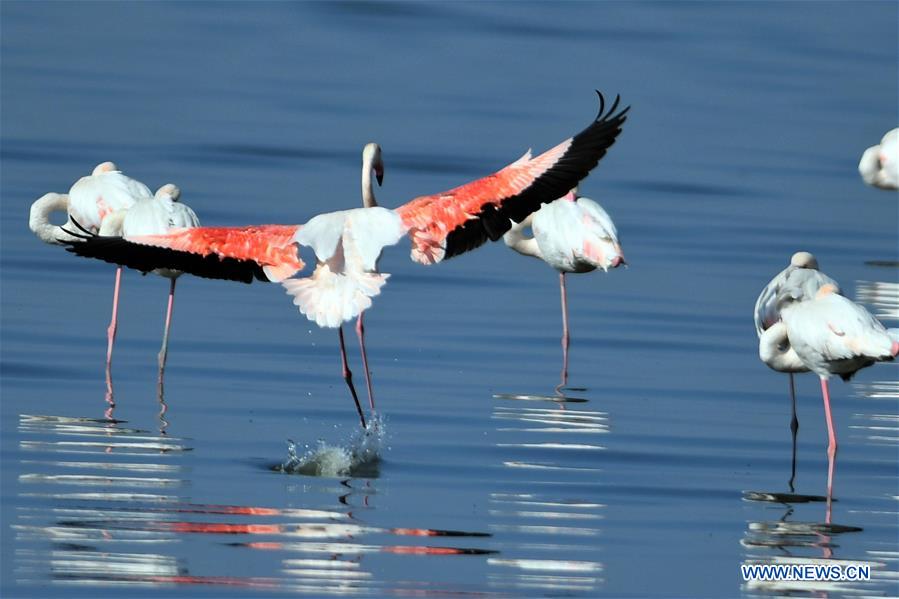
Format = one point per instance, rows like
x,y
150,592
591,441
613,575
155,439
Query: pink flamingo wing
x,y
263,252
446,224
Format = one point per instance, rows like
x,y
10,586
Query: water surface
x,y
663,466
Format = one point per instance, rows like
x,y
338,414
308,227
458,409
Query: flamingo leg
x,y
348,376
565,336
360,333
794,428
163,353
113,324
832,439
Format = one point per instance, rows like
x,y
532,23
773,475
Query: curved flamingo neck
x,y
516,239
775,350
39,218
368,191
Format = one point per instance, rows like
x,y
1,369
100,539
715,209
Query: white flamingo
x,y
152,216
571,234
89,202
879,165
347,244
832,335
774,346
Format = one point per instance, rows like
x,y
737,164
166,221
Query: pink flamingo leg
x,y
360,333
113,324
832,439
163,353
348,376
565,337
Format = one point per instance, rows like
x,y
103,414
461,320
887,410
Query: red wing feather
x,y
263,252
447,224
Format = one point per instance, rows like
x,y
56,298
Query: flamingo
x,y
879,165
774,346
89,201
831,334
371,163
571,234
152,216
347,244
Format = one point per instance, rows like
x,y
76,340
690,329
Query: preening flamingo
x,y
879,165
571,234
152,216
347,244
89,202
831,334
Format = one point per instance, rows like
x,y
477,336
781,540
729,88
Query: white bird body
x,y
347,246
571,234
102,193
831,334
879,165
101,196
804,276
154,215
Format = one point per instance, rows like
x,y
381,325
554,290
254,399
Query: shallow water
x,y
664,464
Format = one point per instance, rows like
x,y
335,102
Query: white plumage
x,y
347,246
879,165
804,278
104,192
571,234
831,334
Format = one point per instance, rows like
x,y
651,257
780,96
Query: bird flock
x,y
803,322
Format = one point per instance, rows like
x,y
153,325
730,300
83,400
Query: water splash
x,y
358,457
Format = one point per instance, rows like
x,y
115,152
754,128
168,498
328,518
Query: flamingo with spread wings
x,y
347,244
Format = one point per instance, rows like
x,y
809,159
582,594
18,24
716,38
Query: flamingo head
x,y
105,167
170,191
804,260
371,156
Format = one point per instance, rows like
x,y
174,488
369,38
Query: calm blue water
x,y
748,120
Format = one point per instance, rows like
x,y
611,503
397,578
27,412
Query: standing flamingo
x,y
347,244
774,347
832,335
879,165
89,202
152,216
571,234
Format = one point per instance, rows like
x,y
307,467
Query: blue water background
x,y
746,126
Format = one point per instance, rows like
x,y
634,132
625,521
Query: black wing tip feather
x,y
586,150
145,258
